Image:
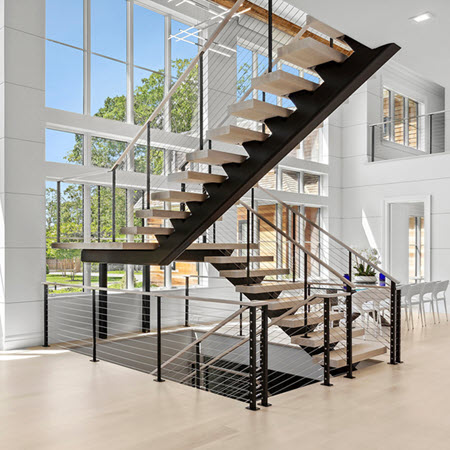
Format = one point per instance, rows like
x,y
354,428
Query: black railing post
x,y
58,211
393,323
264,350
398,339
146,287
186,301
326,342
269,35
148,167
158,340
197,366
103,301
99,211
143,222
305,294
94,329
45,316
113,206
349,321
294,232
248,246
252,394
240,317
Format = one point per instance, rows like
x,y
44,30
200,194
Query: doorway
x,y
407,238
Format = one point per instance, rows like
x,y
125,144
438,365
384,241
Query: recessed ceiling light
x,y
422,17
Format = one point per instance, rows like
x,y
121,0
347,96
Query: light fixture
x,y
422,17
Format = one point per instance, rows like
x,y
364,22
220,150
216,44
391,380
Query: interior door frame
x,y
426,200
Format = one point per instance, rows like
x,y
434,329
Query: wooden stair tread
x,y
147,230
214,157
315,338
257,110
323,28
242,273
309,53
282,83
220,246
232,134
268,287
191,177
289,302
360,351
236,259
178,196
298,320
162,214
106,245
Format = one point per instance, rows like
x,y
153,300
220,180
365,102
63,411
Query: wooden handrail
x,y
180,80
334,238
297,244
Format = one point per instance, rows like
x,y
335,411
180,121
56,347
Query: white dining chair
x,y
372,303
412,298
439,295
404,303
426,297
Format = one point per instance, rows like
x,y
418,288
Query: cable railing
x,y
408,136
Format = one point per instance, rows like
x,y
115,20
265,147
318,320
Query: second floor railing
x,y
411,136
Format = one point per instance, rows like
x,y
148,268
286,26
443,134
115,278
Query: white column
x,y
22,183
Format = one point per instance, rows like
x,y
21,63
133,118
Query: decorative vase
x,y
367,279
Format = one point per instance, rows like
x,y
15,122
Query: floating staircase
x,y
340,76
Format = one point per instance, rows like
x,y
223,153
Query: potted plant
x,y
364,272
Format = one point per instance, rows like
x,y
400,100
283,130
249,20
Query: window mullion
x,y
130,61
87,57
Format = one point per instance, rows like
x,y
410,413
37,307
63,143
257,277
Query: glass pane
x,y
156,160
63,147
244,60
64,21
312,145
312,237
181,269
184,47
269,181
148,94
184,103
413,112
64,266
412,249
263,64
109,28
105,152
399,116
63,78
311,183
286,103
291,181
148,28
310,77
109,87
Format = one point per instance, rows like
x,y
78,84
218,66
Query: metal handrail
x,y
297,244
410,118
180,80
334,238
256,303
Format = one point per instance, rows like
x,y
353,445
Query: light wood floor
x,y
62,401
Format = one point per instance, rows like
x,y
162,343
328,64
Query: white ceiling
x,y
425,46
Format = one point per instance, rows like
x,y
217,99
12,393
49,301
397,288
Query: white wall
x,y
366,186
22,185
